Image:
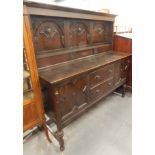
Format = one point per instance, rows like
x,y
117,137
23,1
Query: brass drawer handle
x,y
109,84
97,77
110,71
126,67
56,93
84,89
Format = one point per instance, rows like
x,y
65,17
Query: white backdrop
x,y
122,8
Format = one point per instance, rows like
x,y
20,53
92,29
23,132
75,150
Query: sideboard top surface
x,y
59,72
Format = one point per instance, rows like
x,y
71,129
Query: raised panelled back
x,y
61,36
55,33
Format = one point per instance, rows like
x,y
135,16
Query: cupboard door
x,y
72,96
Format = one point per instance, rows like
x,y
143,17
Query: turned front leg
x,y
59,136
55,102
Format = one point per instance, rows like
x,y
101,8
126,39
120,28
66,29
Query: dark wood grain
x,y
76,64
124,44
63,71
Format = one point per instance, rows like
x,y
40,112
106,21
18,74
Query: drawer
x,y
101,89
101,75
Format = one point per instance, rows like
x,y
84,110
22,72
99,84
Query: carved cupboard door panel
x,y
78,33
72,96
48,35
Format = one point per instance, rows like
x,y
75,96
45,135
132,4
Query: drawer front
x,y
100,90
101,75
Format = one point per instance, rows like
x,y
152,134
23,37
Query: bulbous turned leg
x,y
59,136
123,90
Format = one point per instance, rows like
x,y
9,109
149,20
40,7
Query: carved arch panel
x,y
48,36
79,34
98,32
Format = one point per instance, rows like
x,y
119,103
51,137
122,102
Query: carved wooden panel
x,y
48,33
79,33
121,68
98,32
102,32
72,96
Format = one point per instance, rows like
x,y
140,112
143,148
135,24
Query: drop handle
x,y
84,89
97,77
56,93
62,99
110,70
126,67
109,84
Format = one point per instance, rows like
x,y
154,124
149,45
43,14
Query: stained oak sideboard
x,y
75,61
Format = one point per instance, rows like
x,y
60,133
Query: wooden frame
x,y
37,99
